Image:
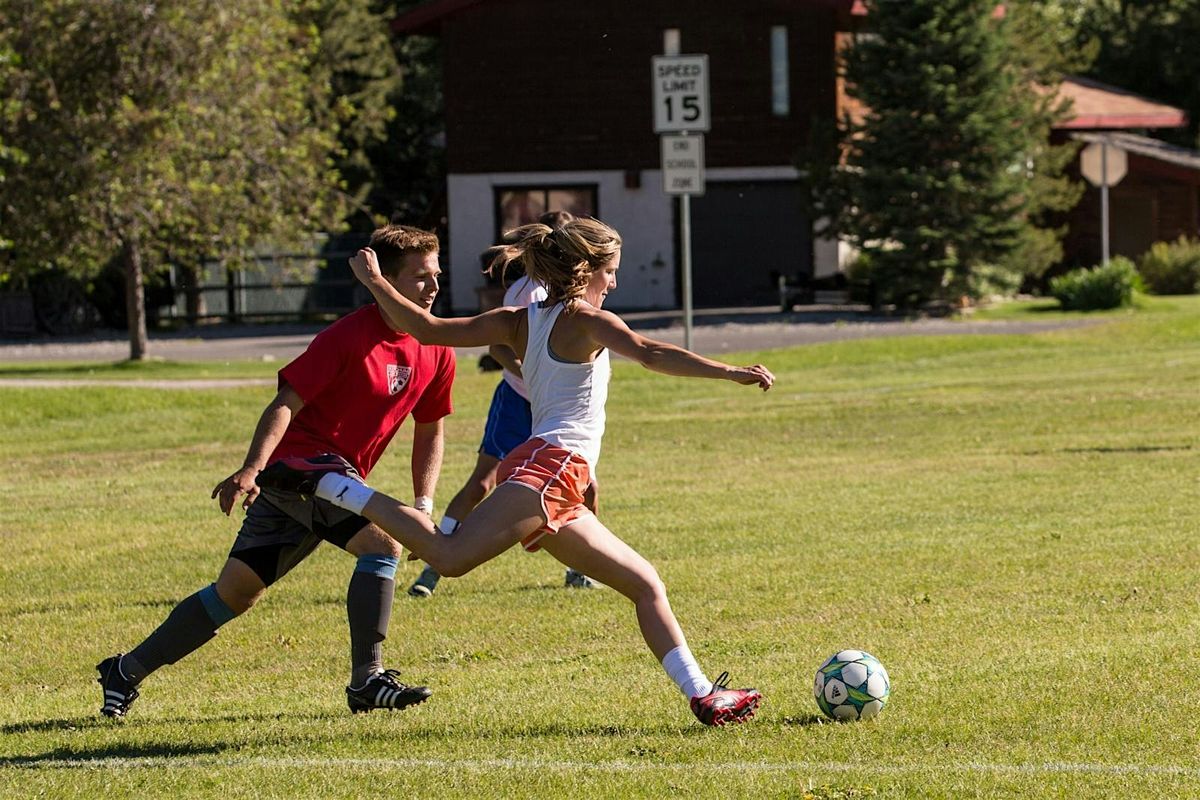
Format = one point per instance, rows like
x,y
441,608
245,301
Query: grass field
x,y
1008,523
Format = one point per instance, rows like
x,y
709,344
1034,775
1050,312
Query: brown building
x,y
549,106
1158,199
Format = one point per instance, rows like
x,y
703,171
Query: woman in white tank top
x,y
565,342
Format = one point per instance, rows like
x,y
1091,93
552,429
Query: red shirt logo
x,y
397,377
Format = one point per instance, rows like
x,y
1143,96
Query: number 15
x,y
690,107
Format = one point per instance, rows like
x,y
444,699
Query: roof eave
x,y
1124,121
427,17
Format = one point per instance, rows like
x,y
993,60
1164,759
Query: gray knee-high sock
x,y
189,625
369,608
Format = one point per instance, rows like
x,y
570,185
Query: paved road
x,y
715,332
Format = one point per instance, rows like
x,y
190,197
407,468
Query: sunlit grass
x,y
1007,522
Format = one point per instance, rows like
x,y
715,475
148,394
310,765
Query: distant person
x,y
340,402
507,427
564,342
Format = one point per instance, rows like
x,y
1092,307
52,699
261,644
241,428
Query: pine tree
x,y
936,183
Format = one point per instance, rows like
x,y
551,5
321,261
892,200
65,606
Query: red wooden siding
x,y
540,85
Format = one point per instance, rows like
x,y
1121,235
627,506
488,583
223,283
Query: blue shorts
x,y
509,423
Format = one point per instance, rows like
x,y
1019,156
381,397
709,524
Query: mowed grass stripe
x,y
487,765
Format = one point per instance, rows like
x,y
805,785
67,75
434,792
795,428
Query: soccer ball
x,y
851,685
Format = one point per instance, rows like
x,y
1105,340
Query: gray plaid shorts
x,y
281,529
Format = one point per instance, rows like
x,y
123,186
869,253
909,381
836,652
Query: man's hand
x,y
238,484
365,265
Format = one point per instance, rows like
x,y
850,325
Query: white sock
x,y
681,665
448,525
344,492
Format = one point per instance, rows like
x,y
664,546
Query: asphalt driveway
x,y
715,332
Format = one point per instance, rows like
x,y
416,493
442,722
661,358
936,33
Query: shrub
x,y
1108,286
1172,268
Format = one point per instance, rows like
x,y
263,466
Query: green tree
x,y
355,60
940,184
10,106
181,130
387,104
1149,48
1037,33
410,162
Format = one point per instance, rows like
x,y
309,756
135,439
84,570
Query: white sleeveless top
x,y
567,397
524,291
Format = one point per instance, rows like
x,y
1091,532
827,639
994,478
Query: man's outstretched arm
x,y
273,423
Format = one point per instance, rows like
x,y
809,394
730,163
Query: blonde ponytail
x,y
561,259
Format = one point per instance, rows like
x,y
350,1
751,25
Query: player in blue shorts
x,y
509,425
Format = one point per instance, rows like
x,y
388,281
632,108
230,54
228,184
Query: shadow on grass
x,y
47,725
102,723
1050,306
804,721
67,756
1134,449
550,730
1114,450
675,726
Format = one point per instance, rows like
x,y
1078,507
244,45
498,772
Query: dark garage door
x,y
744,235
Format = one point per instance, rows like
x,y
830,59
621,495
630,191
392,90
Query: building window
x,y
671,43
521,205
781,104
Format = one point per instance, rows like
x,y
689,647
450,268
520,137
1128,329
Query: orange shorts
x,y
560,477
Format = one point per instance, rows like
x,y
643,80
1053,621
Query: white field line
x,y
519,764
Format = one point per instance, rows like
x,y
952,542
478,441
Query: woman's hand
x,y
757,375
365,265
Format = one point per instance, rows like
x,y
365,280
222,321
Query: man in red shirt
x,y
340,401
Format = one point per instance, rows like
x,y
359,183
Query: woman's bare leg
x,y
506,516
591,548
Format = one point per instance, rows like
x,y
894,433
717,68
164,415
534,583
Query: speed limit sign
x,y
680,93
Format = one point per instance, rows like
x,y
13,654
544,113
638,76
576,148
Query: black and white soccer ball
x,y
851,685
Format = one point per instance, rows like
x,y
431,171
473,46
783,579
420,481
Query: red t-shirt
x,y
359,379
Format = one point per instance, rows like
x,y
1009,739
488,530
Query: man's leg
x,y
369,599
369,610
268,545
190,625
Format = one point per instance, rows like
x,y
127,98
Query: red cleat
x,y
723,705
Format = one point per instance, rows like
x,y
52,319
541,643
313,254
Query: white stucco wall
x,y
642,216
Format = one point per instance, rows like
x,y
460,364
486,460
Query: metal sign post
x,y
1104,165
1104,205
680,87
685,236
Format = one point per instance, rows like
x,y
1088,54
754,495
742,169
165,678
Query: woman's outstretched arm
x,y
498,326
608,330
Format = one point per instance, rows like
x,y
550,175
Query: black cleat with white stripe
x,y
119,693
383,690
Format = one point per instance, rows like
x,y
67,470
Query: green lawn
x,y
1007,522
150,370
